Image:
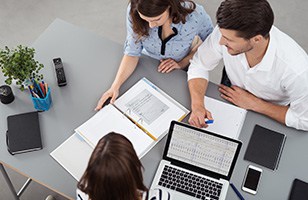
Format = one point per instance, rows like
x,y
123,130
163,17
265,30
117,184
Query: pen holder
x,y
42,104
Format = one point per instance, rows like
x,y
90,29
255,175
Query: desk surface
x,y
91,63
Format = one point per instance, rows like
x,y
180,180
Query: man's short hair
x,y
248,17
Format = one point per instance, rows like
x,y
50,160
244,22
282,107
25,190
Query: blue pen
x,y
237,192
37,88
209,121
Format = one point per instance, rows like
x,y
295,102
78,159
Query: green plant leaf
x,y
19,63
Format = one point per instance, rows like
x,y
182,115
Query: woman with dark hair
x,y
167,30
114,172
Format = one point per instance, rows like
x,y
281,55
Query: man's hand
x,y
168,65
239,97
198,115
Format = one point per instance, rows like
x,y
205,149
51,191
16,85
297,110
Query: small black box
x,y
23,134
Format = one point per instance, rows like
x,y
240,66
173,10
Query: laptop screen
x,y
202,149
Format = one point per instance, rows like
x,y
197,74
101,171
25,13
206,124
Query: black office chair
x,y
225,79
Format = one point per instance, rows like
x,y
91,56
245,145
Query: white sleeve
x,y
297,114
207,57
157,194
80,195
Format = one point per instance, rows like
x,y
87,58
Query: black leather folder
x,y
23,134
299,190
265,147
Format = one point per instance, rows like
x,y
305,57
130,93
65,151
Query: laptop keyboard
x,y
188,183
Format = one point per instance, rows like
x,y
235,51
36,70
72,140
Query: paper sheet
x,y
228,119
73,154
159,108
110,119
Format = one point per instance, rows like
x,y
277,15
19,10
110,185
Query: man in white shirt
x,y
268,70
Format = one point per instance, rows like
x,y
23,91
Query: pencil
x,y
46,88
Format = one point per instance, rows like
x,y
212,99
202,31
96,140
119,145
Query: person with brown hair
x,y
267,69
167,30
114,172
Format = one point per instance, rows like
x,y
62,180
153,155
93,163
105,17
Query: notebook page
x,y
109,119
228,119
150,108
73,155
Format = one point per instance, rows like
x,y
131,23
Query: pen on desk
x,y
236,191
209,121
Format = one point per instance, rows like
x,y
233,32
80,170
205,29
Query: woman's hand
x,y
111,93
168,65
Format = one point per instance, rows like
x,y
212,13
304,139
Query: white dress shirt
x,y
281,77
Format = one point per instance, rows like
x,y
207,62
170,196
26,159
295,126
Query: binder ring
x,y
140,121
128,111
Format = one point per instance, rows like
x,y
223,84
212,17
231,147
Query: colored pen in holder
x,y
41,104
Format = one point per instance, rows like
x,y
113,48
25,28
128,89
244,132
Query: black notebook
x,y
265,147
23,134
299,190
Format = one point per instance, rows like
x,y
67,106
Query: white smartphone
x,y
252,179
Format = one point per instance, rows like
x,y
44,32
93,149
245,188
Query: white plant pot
x,y
26,83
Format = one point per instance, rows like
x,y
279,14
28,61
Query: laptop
x,y
196,164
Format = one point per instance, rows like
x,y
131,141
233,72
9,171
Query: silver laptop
x,y
196,164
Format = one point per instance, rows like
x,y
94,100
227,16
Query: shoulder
x,y
158,194
198,16
199,12
289,52
128,9
199,9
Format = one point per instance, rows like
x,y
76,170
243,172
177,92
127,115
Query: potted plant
x,y
19,64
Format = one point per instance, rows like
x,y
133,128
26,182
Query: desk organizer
x,y
42,104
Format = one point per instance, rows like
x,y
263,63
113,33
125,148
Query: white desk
x,y
91,63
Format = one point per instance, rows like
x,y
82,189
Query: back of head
x,y
248,17
114,171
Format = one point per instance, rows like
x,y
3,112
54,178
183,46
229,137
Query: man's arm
x,y
246,100
276,112
197,88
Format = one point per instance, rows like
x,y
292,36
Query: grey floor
x,y
22,21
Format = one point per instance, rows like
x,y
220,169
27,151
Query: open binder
x,y
142,114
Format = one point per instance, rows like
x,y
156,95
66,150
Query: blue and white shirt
x,y
153,194
198,23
